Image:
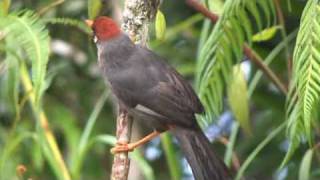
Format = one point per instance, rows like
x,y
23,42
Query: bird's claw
x,y
121,147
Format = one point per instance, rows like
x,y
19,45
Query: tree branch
x,y
256,59
284,35
121,161
136,17
203,10
246,49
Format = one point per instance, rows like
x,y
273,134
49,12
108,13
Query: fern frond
x,y
27,31
12,80
223,48
69,22
304,93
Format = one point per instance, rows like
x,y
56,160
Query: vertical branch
x,y
136,17
121,161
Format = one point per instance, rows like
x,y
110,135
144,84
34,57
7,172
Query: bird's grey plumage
x,y
138,76
153,91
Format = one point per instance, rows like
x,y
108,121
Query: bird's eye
x,y
95,39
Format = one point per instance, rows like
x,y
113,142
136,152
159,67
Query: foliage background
x,y
70,95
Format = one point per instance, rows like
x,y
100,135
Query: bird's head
x,y
104,28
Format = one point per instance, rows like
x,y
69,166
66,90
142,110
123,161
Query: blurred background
x,y
79,110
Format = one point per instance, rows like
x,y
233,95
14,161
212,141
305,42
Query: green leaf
x,y
238,98
291,149
160,25
12,78
92,120
304,171
266,34
216,6
46,138
66,123
252,8
27,29
222,48
304,92
289,5
106,139
84,139
37,156
94,7
48,154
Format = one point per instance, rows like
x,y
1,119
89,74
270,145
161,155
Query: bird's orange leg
x,y
125,147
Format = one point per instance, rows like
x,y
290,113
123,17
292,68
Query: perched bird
x,y
156,94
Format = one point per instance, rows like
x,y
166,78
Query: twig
x,y
279,12
203,10
255,58
281,20
235,159
247,50
136,17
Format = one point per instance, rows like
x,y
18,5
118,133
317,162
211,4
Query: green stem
x,y
255,152
87,132
92,119
44,125
232,141
172,161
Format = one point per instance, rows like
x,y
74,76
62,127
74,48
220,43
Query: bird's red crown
x,y
105,28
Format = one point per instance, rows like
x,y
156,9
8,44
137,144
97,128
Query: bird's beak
x,y
89,22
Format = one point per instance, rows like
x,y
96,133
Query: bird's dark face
x,y
104,28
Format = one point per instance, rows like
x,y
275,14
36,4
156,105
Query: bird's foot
x,y
122,147
128,147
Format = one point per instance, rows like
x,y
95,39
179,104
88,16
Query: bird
x,y
155,94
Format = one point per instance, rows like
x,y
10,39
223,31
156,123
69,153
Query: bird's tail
x,y
204,162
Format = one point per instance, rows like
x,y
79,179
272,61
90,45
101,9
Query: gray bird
x,y
155,94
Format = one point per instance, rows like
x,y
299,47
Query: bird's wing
x,y
184,90
153,84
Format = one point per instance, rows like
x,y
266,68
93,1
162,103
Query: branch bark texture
x,y
121,161
136,17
